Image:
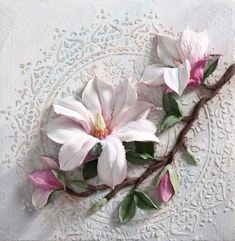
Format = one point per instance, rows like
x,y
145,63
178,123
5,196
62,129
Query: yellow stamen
x,y
100,131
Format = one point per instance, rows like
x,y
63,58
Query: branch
x,y
168,159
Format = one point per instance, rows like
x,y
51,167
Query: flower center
x,y
100,131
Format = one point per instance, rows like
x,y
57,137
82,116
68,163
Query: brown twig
x,y
168,159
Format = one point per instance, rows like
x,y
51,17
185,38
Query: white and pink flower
x,y
107,115
181,61
44,181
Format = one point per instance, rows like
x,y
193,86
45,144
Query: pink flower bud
x,y
44,181
164,189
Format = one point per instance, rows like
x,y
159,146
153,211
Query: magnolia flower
x,y
45,182
107,115
167,184
182,61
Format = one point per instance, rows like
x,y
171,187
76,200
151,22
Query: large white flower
x,y
181,61
105,114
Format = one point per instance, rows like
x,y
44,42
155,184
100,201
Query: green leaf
x,y
60,177
96,150
90,170
138,158
143,201
98,205
191,157
129,146
140,147
174,179
211,66
171,106
54,195
169,121
80,183
127,209
145,147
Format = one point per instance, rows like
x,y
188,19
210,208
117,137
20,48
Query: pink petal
x,y
140,110
164,189
48,163
140,130
40,197
75,110
112,167
74,151
193,45
45,180
62,129
167,51
196,73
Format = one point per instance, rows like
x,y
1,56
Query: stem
x,y
168,159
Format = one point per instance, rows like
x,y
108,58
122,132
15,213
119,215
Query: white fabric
x,y
48,49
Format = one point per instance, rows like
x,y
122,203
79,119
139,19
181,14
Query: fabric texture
x,y
49,50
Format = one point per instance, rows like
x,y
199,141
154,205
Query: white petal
x,y
74,151
99,97
107,98
62,129
40,197
112,166
153,75
75,110
177,78
140,130
140,110
126,97
167,51
90,97
193,45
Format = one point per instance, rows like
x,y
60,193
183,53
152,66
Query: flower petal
x,y
62,129
165,189
167,51
99,97
40,197
177,78
153,75
45,180
196,73
75,110
193,45
126,97
107,98
112,166
48,163
74,151
140,130
90,97
140,110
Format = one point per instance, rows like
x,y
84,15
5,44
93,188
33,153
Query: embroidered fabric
x,y
48,50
